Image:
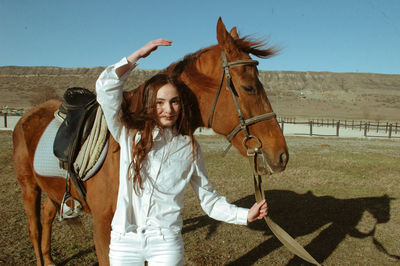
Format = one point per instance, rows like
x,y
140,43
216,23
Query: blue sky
x,y
315,35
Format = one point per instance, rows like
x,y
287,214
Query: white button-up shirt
x,y
166,172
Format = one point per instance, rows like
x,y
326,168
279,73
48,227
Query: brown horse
x,y
201,72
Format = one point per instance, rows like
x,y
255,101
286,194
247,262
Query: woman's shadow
x,y
303,214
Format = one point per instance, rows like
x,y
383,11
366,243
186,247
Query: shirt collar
x,y
164,133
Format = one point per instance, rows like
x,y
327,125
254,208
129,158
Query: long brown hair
x,y
139,113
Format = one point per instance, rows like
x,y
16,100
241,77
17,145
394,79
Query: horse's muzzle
x,y
273,166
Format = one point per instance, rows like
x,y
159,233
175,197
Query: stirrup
x,y
70,207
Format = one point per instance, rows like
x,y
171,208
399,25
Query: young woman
x,y
159,157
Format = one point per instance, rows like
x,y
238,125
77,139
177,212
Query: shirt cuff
x,y
122,62
241,215
110,73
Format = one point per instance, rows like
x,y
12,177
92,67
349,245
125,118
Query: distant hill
x,y
292,94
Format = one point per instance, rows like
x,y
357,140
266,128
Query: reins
x,y
254,154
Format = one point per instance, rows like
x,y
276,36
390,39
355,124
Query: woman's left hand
x,y
258,211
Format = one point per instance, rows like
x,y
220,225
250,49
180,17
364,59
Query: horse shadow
x,y
303,214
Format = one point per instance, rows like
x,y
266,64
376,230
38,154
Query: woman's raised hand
x,y
141,53
152,46
147,49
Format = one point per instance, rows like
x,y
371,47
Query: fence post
x,y
311,127
337,128
365,129
283,124
390,131
5,120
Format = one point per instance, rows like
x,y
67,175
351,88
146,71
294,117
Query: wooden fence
x,y
311,127
9,116
368,128
8,120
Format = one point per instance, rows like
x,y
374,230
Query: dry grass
x,y
338,197
294,94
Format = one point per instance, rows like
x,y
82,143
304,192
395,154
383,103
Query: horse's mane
x,y
256,47
187,64
247,44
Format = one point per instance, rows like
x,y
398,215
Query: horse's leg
x,y
31,198
49,212
31,192
26,135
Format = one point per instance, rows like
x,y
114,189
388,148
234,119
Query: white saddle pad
x,y
45,163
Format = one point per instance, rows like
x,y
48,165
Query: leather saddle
x,y
79,109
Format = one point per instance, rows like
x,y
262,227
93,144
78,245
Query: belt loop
x,y
160,230
118,235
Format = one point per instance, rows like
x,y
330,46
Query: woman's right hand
x,y
141,53
147,49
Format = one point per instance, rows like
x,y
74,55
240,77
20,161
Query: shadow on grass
x,y
303,214
78,255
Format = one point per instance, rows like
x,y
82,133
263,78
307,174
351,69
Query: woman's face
x,y
168,105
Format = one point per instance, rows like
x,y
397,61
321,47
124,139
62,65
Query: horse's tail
x,y
22,165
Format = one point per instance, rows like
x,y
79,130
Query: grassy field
x,y
340,198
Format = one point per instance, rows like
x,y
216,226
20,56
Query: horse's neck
x,y
203,78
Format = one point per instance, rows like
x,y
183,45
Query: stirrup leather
x,y
70,206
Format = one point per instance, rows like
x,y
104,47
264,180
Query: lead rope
x,y
281,234
255,154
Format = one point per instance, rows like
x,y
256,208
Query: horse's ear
x,y
225,40
234,33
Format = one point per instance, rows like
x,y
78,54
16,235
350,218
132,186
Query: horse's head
x,y
241,111
379,207
244,104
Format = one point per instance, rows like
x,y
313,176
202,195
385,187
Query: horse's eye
x,y
249,89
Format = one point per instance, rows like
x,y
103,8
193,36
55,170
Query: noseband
x,y
244,123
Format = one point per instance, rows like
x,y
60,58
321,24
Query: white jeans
x,y
156,246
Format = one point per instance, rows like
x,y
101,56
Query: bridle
x,y
244,123
255,154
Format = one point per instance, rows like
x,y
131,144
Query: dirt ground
x,y
338,197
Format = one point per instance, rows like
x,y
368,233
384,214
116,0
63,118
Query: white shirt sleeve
x,y
109,96
215,205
